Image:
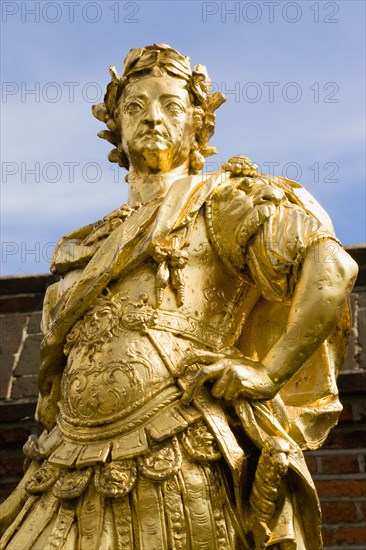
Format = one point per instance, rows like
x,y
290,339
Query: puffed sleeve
x,y
275,253
261,233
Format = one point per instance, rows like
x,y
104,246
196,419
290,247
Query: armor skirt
x,y
188,510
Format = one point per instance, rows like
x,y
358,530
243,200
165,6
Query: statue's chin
x,y
158,160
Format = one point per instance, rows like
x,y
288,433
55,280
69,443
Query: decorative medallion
x,y
116,479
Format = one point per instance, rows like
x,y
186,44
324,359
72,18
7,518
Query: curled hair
x,y
161,60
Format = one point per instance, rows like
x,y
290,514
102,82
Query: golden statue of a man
x,y
190,348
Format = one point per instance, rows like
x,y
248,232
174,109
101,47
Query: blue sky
x,y
294,74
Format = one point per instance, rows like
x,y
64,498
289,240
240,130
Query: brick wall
x,y
21,300
338,468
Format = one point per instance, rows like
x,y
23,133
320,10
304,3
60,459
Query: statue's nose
x,y
153,114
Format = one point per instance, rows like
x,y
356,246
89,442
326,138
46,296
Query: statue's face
x,y
157,129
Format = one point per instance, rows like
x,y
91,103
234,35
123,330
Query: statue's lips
x,y
154,140
152,134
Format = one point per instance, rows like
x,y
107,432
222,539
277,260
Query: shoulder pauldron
x,y
235,212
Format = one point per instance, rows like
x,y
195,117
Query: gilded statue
x,y
191,344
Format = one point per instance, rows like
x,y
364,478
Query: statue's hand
x,y
240,166
234,377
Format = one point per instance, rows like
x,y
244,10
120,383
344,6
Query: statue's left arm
x,y
292,258
323,286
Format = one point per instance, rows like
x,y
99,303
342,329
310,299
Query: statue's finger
x,y
204,375
226,386
205,357
221,386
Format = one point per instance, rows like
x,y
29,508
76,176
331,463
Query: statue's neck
x,y
144,188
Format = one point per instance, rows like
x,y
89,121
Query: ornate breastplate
x,y
111,370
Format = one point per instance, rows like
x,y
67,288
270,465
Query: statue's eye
x,y
133,107
174,107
